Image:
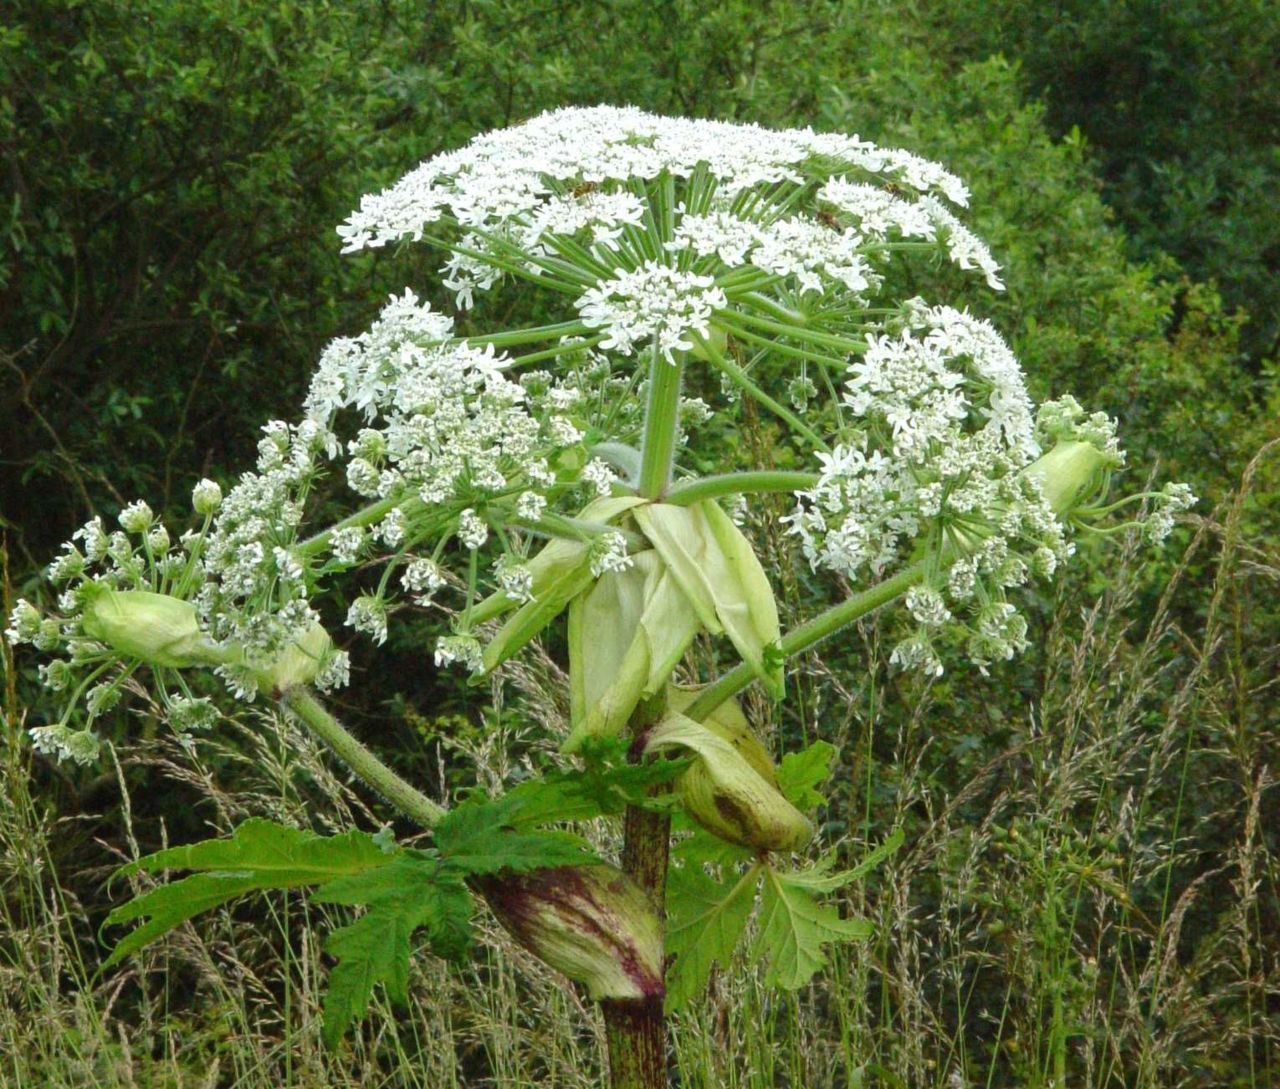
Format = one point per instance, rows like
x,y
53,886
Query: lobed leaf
x,y
259,855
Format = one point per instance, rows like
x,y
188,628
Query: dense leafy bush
x,y
1180,103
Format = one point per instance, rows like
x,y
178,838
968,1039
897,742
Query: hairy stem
x,y
661,416
809,634
313,714
712,487
635,1029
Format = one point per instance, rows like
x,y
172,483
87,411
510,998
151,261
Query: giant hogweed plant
x,y
508,481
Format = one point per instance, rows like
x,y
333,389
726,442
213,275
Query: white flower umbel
x,y
667,231
655,303
512,174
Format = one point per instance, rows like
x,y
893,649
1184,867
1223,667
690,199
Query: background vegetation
x,y
1089,895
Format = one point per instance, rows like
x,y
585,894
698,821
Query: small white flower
x,y
369,616
422,574
345,544
24,623
599,473
473,531
609,553
655,303
136,517
530,506
63,743
463,649
515,578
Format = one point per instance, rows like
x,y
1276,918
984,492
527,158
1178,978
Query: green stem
x,y
636,1029
657,450
764,480
365,516
531,335
721,360
811,633
308,710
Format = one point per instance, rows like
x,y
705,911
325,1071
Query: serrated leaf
x,y
820,878
794,927
264,847
415,892
705,921
702,848
800,773
597,790
483,837
259,855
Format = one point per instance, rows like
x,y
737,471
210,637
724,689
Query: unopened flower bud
x,y
593,923
206,497
1070,473
300,663
731,789
155,628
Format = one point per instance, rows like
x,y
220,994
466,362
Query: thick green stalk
x,y
635,1029
713,487
661,416
373,772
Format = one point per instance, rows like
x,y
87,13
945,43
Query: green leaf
x,y
800,773
793,929
414,892
599,789
259,855
701,847
819,878
705,920
484,837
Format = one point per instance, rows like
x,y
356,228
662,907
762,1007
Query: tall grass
x,y
1088,896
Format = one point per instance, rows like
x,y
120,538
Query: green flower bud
x,y
625,637
1070,474
732,789
155,628
299,663
593,923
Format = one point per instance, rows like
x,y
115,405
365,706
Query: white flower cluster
x,y
812,254
256,594
140,555
880,215
944,428
447,418
514,174
654,303
648,215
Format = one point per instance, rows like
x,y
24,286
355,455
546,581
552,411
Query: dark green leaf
x,y
413,892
